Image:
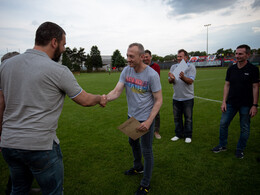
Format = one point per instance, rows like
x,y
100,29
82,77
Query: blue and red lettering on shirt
x,y
137,85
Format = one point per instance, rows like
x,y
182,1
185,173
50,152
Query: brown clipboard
x,y
129,128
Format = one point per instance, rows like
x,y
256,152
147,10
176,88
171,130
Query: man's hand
x,y
144,126
224,107
171,76
185,79
181,75
103,101
253,111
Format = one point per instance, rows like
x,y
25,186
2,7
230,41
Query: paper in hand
x,y
129,128
180,68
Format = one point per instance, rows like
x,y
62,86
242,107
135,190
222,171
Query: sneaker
x,y
134,171
218,149
239,154
142,190
157,135
175,138
188,140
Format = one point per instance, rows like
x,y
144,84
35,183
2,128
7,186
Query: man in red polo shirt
x,y
156,67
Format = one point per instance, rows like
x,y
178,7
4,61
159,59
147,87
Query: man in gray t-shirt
x,y
144,99
183,98
32,91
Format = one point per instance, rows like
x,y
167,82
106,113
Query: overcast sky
x,y
163,26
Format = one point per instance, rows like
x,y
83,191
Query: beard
x,y
147,62
57,54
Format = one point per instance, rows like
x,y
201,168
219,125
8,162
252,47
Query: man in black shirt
x,y
240,95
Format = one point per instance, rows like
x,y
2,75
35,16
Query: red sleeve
x,y
157,68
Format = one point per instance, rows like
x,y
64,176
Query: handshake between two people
x,y
144,126
103,100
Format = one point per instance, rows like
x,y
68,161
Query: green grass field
x,y
96,153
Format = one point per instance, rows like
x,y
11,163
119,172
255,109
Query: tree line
x,y
220,53
77,59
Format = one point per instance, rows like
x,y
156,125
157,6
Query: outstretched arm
x,y
88,99
116,92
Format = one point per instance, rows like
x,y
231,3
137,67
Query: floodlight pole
x,y
207,25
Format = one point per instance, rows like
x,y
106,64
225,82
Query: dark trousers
x,y
144,149
45,166
180,109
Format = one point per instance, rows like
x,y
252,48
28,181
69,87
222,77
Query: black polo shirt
x,y
241,84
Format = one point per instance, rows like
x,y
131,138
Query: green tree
x,y
170,57
157,58
116,53
81,57
88,63
197,53
220,51
119,61
228,52
78,58
66,59
74,58
255,51
224,52
95,56
204,53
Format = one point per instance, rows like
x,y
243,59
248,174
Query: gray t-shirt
x,y
34,88
139,88
183,91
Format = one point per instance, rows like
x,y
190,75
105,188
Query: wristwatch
x,y
256,105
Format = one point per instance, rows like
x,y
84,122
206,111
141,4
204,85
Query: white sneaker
x,y
188,140
175,138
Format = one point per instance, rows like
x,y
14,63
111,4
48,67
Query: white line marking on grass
x,y
208,79
202,98
207,99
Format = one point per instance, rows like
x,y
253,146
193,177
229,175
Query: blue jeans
x,y
45,166
181,108
225,121
147,150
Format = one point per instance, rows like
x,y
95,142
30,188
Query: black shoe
x,y
218,149
134,171
239,154
142,190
